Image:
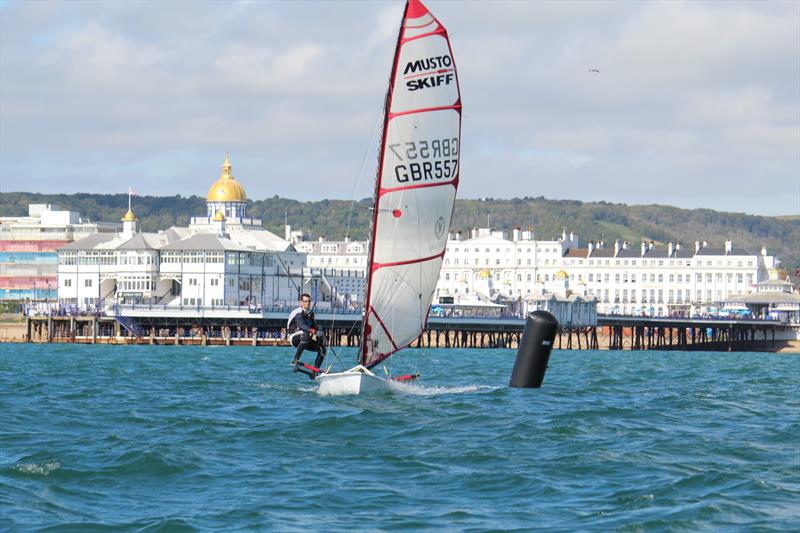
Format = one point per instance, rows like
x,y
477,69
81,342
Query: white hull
x,y
357,380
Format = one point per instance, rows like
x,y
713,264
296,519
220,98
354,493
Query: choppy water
x,y
171,438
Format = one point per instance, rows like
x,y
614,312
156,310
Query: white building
x,y
624,279
337,268
219,261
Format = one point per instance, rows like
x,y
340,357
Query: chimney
x,y
473,233
616,248
728,246
515,234
644,248
669,249
625,245
705,244
677,246
287,232
650,246
458,235
764,251
591,247
321,238
347,238
696,246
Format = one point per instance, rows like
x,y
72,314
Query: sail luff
x,y
362,352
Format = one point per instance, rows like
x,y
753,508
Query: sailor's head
x,y
305,301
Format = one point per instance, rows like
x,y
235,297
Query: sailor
x,y
305,333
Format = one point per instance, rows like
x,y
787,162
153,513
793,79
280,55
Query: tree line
x,y
335,219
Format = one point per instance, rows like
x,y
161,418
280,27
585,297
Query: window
x,y
87,283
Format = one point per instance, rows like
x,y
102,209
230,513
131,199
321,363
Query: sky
x,y
696,104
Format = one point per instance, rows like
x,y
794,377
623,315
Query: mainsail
x,y
416,186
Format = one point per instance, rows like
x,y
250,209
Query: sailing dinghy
x,y
415,190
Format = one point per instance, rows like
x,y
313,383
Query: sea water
x,y
182,438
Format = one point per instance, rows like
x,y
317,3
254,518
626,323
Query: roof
x,y
710,251
226,188
629,252
656,253
144,241
88,243
577,252
740,251
766,297
262,240
602,252
206,241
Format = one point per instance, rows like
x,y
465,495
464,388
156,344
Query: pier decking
x,y
268,329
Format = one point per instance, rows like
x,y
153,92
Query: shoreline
x,y
13,332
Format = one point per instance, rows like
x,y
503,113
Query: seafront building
x,y
225,259
519,273
339,266
222,260
28,244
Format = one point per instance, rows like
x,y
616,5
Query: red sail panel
x,y
418,174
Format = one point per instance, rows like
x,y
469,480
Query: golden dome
x,y
226,189
485,273
561,274
218,217
129,216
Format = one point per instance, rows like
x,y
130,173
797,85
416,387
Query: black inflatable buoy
x,y
534,350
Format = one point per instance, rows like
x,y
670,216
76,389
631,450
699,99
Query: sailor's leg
x,y
299,340
320,357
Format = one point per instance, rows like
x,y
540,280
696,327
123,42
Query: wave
x,y
37,469
418,389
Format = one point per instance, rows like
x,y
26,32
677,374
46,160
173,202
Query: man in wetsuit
x,y
304,332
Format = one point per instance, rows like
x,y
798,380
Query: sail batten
x,y
417,178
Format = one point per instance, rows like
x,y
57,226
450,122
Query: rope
x,y
359,177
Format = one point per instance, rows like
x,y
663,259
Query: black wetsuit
x,y
305,334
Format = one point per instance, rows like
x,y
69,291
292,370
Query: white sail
x,y
416,186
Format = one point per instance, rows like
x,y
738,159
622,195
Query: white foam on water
x,y
39,469
417,389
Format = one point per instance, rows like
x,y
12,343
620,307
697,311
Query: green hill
x,y
591,220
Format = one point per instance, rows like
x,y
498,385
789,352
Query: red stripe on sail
x,y
440,71
438,31
456,106
376,266
385,329
453,182
416,27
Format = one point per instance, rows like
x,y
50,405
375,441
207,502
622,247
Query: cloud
x,y
695,103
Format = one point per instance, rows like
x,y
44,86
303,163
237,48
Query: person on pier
x,y
305,334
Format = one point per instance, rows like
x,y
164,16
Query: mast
x,y
362,351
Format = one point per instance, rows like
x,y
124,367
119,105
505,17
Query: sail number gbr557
x,y
428,160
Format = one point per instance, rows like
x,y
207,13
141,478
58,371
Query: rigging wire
x,y
359,177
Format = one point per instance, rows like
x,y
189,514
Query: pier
x,y
241,328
